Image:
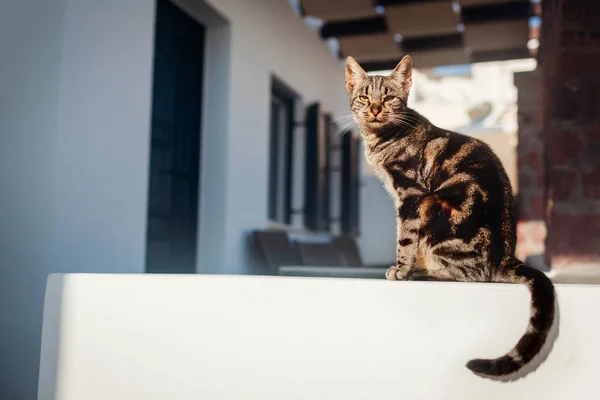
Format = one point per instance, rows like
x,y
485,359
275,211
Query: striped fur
x,y
455,208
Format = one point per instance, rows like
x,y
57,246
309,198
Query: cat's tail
x,y
541,320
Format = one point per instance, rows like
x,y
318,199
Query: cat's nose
x,y
376,110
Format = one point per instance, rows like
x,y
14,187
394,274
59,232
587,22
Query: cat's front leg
x,y
406,249
397,273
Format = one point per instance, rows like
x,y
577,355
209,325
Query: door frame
x,y
212,209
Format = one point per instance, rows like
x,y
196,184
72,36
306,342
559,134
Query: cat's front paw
x,y
395,273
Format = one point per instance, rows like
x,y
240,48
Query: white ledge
x,y
194,337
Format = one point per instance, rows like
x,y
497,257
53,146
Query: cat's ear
x,y
354,74
403,73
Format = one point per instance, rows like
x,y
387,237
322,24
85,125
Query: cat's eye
x,y
364,99
387,99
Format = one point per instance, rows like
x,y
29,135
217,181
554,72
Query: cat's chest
x,y
397,180
388,177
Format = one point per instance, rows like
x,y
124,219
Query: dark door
x,y
175,142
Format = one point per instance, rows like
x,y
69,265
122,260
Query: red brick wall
x,y
531,226
570,62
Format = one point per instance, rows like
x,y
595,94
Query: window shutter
x,y
350,178
317,181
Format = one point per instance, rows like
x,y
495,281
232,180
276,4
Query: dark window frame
x,y
350,184
317,180
281,96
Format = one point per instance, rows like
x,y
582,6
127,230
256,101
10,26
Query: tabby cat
x,y
454,202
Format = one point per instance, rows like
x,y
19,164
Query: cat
x,y
455,208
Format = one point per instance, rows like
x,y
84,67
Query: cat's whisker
x,y
409,118
408,121
341,118
345,128
401,123
342,124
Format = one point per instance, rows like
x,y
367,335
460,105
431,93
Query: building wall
x,y
75,118
30,69
103,143
267,37
570,61
75,82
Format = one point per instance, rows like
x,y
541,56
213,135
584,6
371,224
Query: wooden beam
x,y
353,28
439,42
386,3
501,55
379,65
511,10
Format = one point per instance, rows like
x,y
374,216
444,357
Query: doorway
x,y
172,232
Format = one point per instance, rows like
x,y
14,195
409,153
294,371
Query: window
x,y
350,182
281,149
317,183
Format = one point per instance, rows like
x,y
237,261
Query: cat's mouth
x,y
376,121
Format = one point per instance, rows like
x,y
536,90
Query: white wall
x,y
266,37
215,123
30,48
251,40
75,85
74,112
104,124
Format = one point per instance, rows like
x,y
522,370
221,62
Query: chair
x,y
319,254
276,249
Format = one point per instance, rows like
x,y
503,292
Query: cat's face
x,y
378,101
